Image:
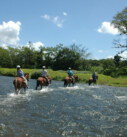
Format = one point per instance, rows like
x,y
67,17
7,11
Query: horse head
x,y
26,75
97,77
76,77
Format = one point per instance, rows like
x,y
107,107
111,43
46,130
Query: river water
x,y
56,111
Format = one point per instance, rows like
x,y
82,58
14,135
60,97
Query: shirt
x,y
20,73
94,77
44,73
70,73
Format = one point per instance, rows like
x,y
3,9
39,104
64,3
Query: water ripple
x,y
79,111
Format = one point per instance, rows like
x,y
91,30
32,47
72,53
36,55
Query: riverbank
x,y
60,75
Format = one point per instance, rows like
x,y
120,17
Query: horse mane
x,y
26,74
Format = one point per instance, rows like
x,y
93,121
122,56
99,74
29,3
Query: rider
x,y
20,73
94,77
70,74
45,74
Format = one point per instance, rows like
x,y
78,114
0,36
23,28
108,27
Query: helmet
x,y
18,66
43,67
69,68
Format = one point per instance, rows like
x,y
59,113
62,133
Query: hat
x,y
18,66
69,68
43,67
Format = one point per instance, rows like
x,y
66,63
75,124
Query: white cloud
x,y
110,57
54,19
100,51
35,45
64,13
107,27
58,21
123,55
74,41
9,33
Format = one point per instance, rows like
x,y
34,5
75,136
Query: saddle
x,y
71,79
47,79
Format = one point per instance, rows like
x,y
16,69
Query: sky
x,y
86,23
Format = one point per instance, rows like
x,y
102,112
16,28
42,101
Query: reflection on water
x,y
56,111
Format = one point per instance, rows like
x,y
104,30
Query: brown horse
x,y
19,83
90,81
42,81
68,81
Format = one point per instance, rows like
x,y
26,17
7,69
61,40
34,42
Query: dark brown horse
x,y
19,83
68,81
94,81
42,81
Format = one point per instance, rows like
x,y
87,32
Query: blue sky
x,y
51,22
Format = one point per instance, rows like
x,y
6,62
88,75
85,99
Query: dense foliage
x,y
120,22
60,58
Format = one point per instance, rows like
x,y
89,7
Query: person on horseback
x,y
70,74
20,73
45,74
94,77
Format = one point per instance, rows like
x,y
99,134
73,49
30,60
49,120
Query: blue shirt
x,y
70,73
94,76
20,73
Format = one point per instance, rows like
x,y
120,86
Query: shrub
x,y
35,75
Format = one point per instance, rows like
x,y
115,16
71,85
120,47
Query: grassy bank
x,y
60,75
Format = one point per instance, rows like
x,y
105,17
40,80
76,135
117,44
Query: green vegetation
x,y
60,75
60,58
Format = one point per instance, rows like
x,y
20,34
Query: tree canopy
x,y
120,22
58,57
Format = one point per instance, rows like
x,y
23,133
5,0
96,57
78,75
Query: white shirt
x,y
44,73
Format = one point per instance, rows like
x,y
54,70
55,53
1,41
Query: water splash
x,y
121,98
97,97
45,90
81,110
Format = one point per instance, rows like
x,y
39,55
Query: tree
x,y
70,56
4,58
64,59
117,60
120,22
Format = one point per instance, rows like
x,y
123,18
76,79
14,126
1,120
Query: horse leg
x,y
50,81
16,91
89,82
73,83
41,87
36,87
65,83
37,84
24,89
95,82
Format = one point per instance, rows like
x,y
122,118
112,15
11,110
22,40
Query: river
x,y
56,111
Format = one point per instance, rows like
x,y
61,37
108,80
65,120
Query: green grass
x,y
60,75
